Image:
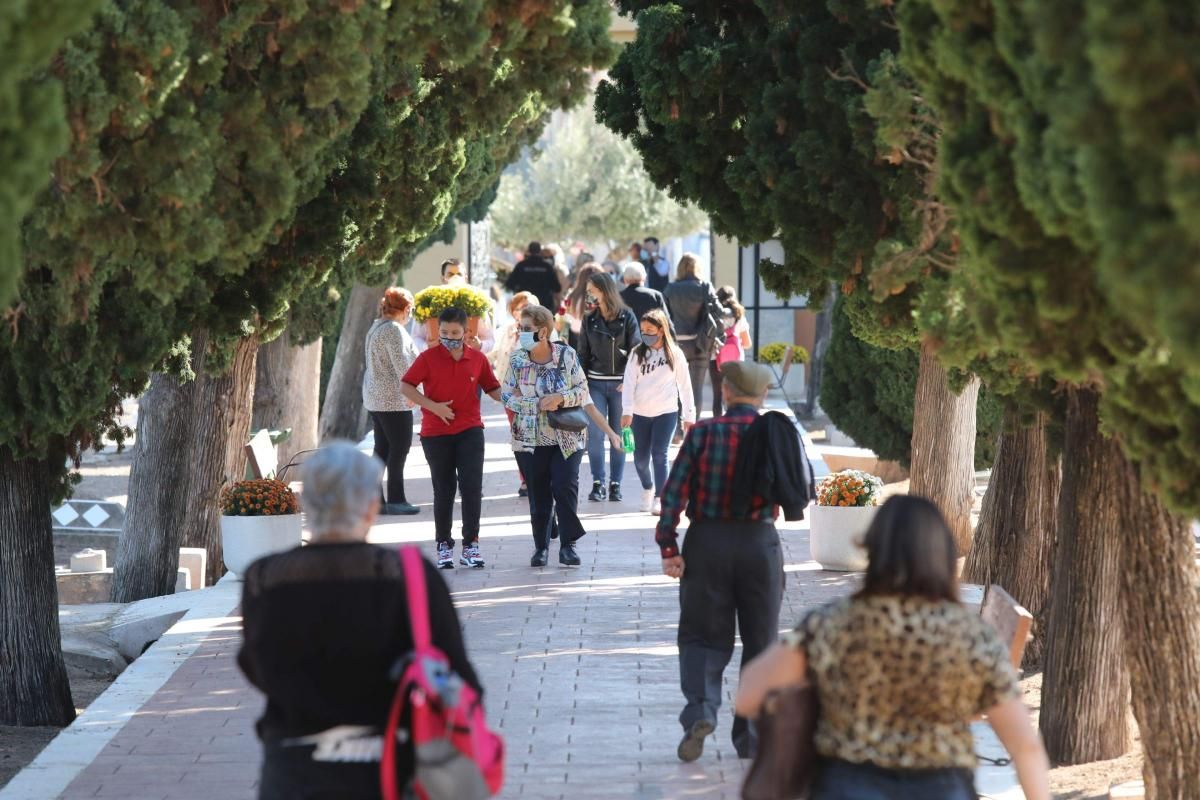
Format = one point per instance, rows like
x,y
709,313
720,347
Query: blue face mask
x,y
451,344
650,339
528,340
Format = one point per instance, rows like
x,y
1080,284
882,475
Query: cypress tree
x,y
1069,130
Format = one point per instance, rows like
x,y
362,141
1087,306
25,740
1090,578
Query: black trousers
x,y
393,440
732,580
714,374
456,463
553,484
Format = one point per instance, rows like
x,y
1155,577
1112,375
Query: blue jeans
x,y
842,780
608,403
651,438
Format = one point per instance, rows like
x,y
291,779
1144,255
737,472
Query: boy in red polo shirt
x,y
452,430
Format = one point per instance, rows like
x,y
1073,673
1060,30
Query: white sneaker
x,y
647,500
657,510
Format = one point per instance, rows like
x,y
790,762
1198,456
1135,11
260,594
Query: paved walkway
x,y
579,665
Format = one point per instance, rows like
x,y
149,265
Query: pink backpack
x,y
732,349
457,756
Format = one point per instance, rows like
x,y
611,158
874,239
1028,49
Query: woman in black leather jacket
x,y
606,338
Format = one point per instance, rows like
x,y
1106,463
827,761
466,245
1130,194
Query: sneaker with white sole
x,y
445,558
657,508
471,557
647,500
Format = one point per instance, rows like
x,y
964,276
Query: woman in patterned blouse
x,y
901,668
390,352
544,376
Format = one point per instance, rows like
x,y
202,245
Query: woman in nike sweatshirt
x,y
656,383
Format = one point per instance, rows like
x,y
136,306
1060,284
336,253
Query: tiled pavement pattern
x,y
578,664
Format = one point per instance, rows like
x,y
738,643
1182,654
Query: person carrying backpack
x,y
325,627
737,342
696,314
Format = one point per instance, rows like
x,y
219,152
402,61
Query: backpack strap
x,y
418,598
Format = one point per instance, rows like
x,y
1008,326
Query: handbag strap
x,y
418,599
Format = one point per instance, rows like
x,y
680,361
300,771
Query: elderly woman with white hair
x,y
323,626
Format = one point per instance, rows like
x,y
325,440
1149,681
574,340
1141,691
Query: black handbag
x,y
785,765
571,420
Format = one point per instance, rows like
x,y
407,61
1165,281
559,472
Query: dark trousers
x,y
393,440
651,438
714,374
732,579
697,368
842,779
553,483
456,462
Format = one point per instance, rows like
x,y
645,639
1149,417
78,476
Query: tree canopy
x,y
582,181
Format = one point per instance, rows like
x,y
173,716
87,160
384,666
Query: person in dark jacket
x,y
607,336
537,274
688,300
771,463
635,294
323,626
657,267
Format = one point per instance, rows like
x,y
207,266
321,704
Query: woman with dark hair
x,y
609,333
737,342
573,305
390,352
901,668
656,384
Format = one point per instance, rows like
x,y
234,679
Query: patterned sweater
x,y
390,352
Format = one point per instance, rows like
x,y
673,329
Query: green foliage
x,y
1069,141
33,120
774,352
868,392
582,181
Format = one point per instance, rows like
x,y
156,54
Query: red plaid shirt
x,y
701,478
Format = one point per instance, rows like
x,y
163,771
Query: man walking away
x,y
636,295
535,273
657,268
452,431
697,316
731,566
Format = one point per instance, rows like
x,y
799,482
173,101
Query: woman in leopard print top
x,y
901,668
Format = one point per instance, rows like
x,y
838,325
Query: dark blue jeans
x,y
842,780
608,403
553,483
651,438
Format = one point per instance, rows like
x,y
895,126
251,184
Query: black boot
x,y
614,491
567,555
597,492
540,557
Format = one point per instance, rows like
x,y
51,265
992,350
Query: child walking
x,y
656,383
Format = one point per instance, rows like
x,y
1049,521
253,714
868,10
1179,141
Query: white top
x,y
652,389
390,352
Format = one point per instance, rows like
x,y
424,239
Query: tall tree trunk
x,y
1085,686
816,361
33,677
342,415
943,445
287,389
1014,541
219,434
1160,604
148,550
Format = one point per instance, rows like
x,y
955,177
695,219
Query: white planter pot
x,y
244,540
836,536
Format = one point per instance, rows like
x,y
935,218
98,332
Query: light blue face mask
x,y
451,344
650,339
528,340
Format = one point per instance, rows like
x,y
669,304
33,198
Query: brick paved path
x,y
579,665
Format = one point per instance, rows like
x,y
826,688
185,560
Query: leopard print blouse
x,y
900,678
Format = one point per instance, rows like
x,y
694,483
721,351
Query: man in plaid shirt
x,y
730,569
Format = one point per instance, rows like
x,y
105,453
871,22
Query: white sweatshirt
x,y
652,388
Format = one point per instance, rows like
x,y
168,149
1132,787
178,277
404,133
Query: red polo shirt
x,y
442,378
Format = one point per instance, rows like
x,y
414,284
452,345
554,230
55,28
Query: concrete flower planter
x,y
244,540
836,536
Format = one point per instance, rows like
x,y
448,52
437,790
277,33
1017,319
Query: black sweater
x,y
322,627
771,463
